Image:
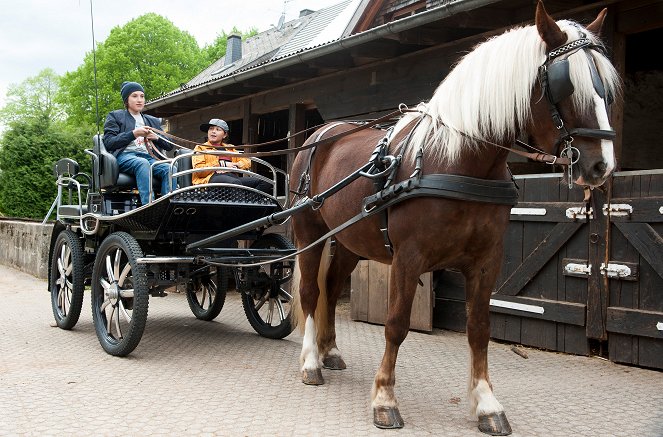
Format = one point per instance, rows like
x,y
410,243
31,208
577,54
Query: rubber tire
x,y
76,278
131,251
268,241
211,312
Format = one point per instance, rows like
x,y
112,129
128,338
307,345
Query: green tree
x,y
28,150
34,98
217,49
149,49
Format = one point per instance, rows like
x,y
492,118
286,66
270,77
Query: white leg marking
x,y
334,352
310,357
384,397
482,400
607,148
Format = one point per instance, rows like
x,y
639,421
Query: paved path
x,y
189,377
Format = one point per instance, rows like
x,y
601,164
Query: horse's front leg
x,y
402,287
483,403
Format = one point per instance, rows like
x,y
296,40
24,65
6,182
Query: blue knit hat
x,y
128,88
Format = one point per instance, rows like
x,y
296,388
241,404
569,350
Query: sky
x,y
38,34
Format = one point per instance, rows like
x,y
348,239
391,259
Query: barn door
x,y
541,297
634,313
576,276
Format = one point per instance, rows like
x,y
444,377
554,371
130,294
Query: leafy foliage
x,y
28,151
150,50
34,98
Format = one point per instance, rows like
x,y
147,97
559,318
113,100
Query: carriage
x,y
127,252
550,82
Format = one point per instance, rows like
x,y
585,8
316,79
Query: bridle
x,y
555,80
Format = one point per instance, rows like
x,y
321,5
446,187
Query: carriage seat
x,y
68,168
184,164
107,172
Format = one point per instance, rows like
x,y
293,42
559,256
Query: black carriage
x,y
127,252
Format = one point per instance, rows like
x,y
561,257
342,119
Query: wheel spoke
x,y
104,304
281,310
270,312
68,264
109,269
125,272
125,313
109,319
62,301
116,264
104,283
127,293
117,323
261,302
60,267
285,295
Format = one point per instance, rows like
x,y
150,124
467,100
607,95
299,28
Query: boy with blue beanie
x,y
128,134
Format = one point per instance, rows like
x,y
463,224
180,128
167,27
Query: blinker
x,y
559,81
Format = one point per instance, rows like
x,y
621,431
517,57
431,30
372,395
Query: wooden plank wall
x,y
369,296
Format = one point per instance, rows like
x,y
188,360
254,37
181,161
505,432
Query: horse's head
x,y
578,83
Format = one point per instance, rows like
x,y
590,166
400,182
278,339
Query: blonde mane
x,y
487,94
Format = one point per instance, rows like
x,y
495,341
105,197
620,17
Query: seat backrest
x,y
184,164
65,167
106,170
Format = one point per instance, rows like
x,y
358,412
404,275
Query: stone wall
x,y
24,245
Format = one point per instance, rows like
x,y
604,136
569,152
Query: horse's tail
x,y
320,315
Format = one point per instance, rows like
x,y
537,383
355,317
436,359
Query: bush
x,y
28,151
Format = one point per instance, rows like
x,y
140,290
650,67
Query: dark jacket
x,y
118,131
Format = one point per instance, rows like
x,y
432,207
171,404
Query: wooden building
x,y
570,282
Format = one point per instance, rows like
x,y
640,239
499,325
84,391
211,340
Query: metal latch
x,y
579,212
578,269
617,209
615,270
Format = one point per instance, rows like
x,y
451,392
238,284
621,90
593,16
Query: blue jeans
x,y
138,164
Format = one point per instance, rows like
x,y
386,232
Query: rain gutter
x,y
446,10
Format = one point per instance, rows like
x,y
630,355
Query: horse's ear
x,y
596,25
550,32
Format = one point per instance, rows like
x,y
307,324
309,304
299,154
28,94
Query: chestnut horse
x,y
550,81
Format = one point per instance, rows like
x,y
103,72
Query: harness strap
x,y
446,186
437,185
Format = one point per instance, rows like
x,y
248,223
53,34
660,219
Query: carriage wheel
x,y
269,307
120,295
67,279
206,292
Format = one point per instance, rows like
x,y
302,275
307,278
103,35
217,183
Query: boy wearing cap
x,y
217,131
126,135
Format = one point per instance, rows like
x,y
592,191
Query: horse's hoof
x,y
334,362
387,418
312,377
494,424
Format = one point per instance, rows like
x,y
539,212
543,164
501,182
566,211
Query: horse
x,y
550,81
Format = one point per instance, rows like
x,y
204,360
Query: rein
x,y
317,143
